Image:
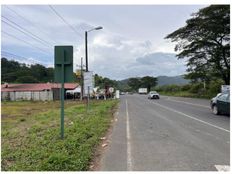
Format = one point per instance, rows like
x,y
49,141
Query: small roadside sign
x,y
63,73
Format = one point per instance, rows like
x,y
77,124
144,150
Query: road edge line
x,y
128,136
173,110
189,103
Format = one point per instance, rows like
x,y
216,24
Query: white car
x,y
153,95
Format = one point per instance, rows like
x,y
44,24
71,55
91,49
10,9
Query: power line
x,y
12,54
70,26
17,14
6,53
25,42
28,21
25,31
17,56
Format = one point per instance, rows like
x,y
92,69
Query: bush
x,y
214,88
186,87
172,88
157,88
192,90
196,88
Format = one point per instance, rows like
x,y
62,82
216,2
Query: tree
x,y
102,82
148,82
39,72
205,42
134,83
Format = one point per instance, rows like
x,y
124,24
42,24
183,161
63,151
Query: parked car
x,y
122,93
153,95
221,104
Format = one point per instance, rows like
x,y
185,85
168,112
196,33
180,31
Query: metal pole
x,y
82,80
86,50
62,102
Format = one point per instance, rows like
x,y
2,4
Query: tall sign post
x,y
63,73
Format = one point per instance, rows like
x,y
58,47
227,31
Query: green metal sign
x,y
63,73
64,56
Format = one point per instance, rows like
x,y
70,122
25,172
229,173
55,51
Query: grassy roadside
x,y
30,135
185,94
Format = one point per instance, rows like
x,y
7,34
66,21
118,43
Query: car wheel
x,y
215,110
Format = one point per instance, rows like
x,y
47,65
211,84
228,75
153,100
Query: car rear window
x,y
224,97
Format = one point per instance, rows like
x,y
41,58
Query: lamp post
x,y
86,45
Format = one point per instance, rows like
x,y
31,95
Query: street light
x,y
86,45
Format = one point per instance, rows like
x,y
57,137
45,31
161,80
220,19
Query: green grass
x,y
31,135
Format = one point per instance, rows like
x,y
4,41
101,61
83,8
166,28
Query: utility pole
x,y
86,51
86,45
82,80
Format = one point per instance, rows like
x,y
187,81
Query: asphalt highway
x,y
169,134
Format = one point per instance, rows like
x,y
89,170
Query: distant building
x,y
34,91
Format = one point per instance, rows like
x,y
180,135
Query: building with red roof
x,y
34,91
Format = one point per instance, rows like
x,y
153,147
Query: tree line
x,y
143,82
15,72
104,82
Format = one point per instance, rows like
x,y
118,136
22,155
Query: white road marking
x,y
189,103
222,168
129,161
181,113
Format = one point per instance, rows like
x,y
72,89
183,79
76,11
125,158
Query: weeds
x,y
33,142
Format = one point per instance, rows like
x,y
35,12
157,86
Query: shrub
x,y
215,87
196,88
186,87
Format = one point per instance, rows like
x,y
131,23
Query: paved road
x,y
170,134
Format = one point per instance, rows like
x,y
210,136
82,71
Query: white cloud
x,y
117,58
130,44
103,41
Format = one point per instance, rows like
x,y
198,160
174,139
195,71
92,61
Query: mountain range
x,y
176,80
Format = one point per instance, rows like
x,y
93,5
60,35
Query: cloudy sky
x,y
131,43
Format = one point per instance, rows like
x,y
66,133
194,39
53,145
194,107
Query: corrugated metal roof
x,y
35,86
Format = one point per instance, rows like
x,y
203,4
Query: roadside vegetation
x,y
31,135
197,90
